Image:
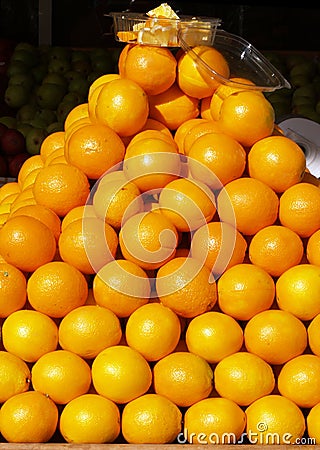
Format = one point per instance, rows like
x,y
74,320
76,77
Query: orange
x,y
121,286
55,156
274,419
313,247
88,244
313,421
56,288
9,199
121,374
61,375
252,203
32,163
243,377
205,112
153,124
208,126
14,376
88,329
186,286
194,78
74,126
94,91
27,243
78,112
151,419
147,133
182,377
25,198
28,417
29,179
42,213
90,419
154,330
13,289
276,336
123,106
299,208
244,290
214,421
224,90
116,198
103,79
151,163
29,334
188,203
148,239
247,116
61,187
94,149
173,107
213,336
219,246
276,248
216,159
299,380
297,291
277,161
182,130
51,143
78,212
10,188
151,67
313,335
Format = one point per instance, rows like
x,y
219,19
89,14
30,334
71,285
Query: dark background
x,y
82,23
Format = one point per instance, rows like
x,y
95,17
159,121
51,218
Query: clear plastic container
x,y
142,29
244,60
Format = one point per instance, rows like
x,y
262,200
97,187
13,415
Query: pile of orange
x,y
160,269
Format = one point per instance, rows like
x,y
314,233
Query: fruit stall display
x,y
159,265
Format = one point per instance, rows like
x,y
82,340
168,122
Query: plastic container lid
x,y
142,29
187,32
244,60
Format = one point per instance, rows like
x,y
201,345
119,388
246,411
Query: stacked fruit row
x,y
160,268
303,73
43,85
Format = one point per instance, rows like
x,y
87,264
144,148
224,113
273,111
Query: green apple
x,y
46,115
59,52
79,55
72,97
24,128
26,113
81,66
22,79
80,86
49,95
34,139
59,65
16,96
73,75
55,126
39,72
307,111
63,110
9,121
30,59
15,67
55,78
292,59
